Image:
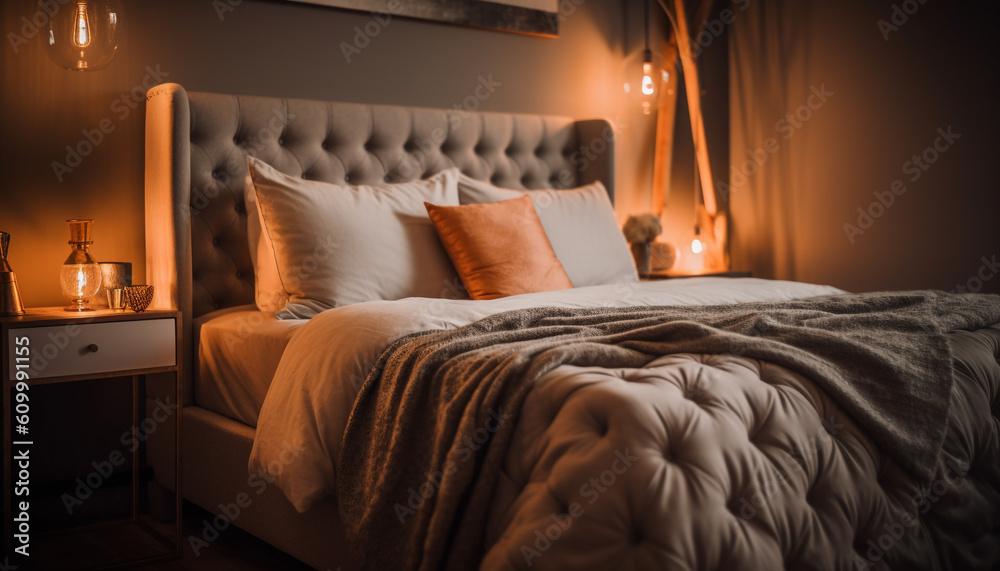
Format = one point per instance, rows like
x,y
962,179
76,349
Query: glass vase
x,y
640,253
80,276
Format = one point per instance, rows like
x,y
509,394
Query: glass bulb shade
x,y
697,246
84,35
80,277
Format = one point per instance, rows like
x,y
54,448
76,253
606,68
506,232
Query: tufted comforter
x,y
698,462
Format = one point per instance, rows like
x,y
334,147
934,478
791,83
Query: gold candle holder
x,y
114,275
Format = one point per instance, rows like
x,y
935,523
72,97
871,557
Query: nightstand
x,y
675,274
49,353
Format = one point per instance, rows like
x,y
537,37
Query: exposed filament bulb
x,y
647,79
81,31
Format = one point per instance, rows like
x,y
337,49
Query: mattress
x,y
238,352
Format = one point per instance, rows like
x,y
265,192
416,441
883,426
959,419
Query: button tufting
x,y
347,178
240,209
388,178
602,427
811,495
305,176
508,151
636,537
281,141
216,305
733,507
216,241
239,275
236,140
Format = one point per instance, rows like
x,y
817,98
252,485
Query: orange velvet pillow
x,y
499,248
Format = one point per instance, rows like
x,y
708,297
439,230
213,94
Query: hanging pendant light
x,y
647,88
697,246
84,34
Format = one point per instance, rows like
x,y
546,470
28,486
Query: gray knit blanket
x,y
883,357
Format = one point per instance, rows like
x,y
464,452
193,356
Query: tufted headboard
x,y
197,253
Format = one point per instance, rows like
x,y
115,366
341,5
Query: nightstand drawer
x,y
63,350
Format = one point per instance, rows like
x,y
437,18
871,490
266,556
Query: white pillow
x,y
338,245
268,292
580,224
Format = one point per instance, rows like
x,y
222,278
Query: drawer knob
x,y
92,348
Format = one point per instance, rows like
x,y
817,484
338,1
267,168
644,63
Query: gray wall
x,y
278,48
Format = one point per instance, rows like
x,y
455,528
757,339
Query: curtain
x,y
768,79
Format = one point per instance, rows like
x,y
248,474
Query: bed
x,y
704,456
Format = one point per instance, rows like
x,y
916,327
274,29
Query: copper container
x,y
10,296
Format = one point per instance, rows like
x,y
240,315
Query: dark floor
x,y
117,540
234,549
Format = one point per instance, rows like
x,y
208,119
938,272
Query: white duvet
x,y
310,399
